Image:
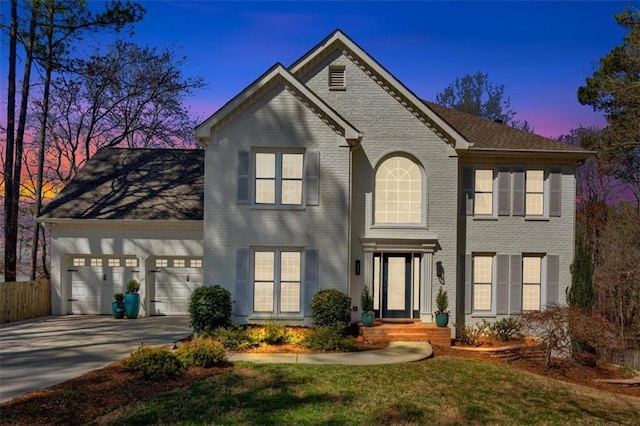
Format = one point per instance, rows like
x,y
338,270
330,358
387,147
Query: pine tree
x,y
582,294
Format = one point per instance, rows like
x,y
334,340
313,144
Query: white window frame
x,y
79,261
278,179
96,261
131,262
477,191
492,283
529,282
161,262
539,193
377,221
179,263
114,262
277,293
195,263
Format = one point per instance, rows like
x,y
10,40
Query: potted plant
x,y
366,305
117,307
132,299
442,302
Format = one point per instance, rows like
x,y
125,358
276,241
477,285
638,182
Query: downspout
x,y
352,148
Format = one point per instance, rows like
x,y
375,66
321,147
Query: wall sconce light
x,y
440,272
357,267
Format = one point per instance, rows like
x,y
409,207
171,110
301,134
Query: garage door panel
x,y
93,287
173,288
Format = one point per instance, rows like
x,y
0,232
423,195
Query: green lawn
x,y
437,391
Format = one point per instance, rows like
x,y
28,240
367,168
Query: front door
x,y
396,285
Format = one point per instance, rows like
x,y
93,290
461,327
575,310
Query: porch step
x,y
409,332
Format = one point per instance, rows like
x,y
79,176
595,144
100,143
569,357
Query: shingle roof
x,y
488,135
134,184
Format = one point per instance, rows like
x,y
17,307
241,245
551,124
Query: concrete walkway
x,y
396,353
39,353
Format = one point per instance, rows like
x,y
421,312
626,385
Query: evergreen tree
x,y
582,294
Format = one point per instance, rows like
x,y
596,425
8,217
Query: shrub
x,y
210,308
119,297
234,337
366,300
327,338
274,333
471,334
153,363
442,301
133,286
331,308
506,329
202,351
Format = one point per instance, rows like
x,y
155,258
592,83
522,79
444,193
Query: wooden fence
x,y
629,358
24,300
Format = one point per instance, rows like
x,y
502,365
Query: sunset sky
x,y
541,51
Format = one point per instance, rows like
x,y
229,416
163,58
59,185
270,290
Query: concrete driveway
x,y
39,353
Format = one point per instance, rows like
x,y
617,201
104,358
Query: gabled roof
x,y
134,184
276,73
338,40
489,136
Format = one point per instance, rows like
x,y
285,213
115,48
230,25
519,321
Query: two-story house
x,y
329,173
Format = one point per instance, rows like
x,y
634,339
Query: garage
x,y
94,280
173,281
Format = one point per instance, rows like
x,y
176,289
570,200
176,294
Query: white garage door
x,y
94,280
175,280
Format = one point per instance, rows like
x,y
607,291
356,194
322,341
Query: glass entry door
x,y
396,285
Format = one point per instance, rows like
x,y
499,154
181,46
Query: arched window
x,y
398,197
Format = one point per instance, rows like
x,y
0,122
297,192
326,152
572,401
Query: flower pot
x,y
118,310
367,318
442,320
132,305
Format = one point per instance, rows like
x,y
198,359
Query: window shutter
x,y
310,287
467,191
243,288
503,192
243,176
518,192
312,176
555,195
516,284
553,272
502,287
467,273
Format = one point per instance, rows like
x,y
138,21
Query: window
x,y
336,77
78,261
131,262
531,277
196,263
162,263
398,196
534,201
482,282
277,282
113,262
96,261
179,263
483,192
278,178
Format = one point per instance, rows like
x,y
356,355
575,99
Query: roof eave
x,y
524,153
205,132
459,141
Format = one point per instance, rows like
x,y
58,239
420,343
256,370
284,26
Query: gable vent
x,y
336,77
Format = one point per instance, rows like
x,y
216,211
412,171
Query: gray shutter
x,y
310,285
312,177
503,192
553,272
555,195
502,287
242,299
467,273
518,192
243,176
516,284
467,191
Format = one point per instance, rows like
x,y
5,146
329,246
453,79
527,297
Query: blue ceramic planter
x,y
132,305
